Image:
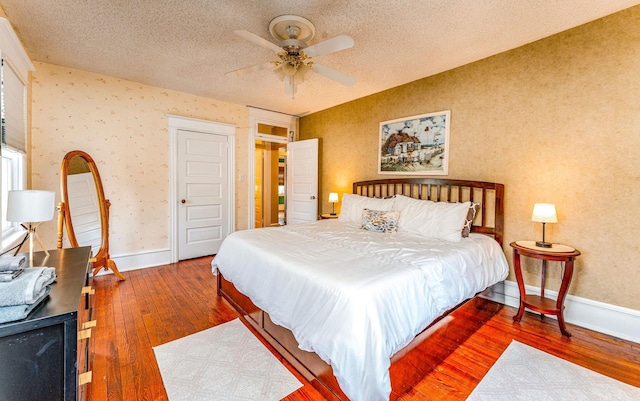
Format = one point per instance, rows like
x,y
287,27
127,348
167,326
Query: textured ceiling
x,y
188,45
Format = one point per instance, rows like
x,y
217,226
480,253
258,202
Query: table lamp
x,y
30,208
544,213
333,198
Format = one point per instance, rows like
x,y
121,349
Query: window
x,y
14,72
13,138
12,178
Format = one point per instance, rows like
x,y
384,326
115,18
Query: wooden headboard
x,y
489,219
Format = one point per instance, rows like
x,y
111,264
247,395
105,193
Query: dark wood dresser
x,y
46,355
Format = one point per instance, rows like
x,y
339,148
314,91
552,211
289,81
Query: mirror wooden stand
x,y
83,201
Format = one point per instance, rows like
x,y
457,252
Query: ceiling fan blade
x,y
329,46
330,73
244,71
252,37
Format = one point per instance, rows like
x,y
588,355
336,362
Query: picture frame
x,y
416,145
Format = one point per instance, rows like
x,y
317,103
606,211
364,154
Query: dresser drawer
x,y
86,330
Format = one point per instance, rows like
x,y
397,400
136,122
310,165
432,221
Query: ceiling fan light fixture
x,y
294,53
302,70
279,73
289,69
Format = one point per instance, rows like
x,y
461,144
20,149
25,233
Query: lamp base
x,y
31,235
543,244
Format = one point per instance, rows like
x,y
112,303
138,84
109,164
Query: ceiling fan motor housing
x,y
293,43
292,27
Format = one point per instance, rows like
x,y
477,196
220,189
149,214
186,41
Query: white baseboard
x,y
598,316
139,260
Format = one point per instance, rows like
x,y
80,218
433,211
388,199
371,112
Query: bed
x,y
342,303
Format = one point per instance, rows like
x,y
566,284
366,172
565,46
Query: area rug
x,y
223,363
526,373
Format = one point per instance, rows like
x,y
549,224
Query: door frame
x,y
266,201
177,123
268,117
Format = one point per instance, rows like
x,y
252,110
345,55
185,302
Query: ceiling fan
x,y
294,55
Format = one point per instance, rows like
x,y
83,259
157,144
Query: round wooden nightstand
x,y
540,304
328,216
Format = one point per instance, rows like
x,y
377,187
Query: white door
x,y
202,192
302,181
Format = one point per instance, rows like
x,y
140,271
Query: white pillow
x,y
353,205
441,220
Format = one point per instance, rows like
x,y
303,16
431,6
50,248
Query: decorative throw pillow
x,y
380,221
353,205
468,221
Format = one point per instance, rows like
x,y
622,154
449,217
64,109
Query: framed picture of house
x,y
417,145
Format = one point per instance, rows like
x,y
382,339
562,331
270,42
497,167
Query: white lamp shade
x,y
30,206
544,213
333,197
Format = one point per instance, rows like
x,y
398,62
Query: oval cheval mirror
x,y
84,210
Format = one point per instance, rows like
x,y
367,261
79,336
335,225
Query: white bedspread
x,y
356,297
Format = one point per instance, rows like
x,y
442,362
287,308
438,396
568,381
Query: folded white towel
x,y
28,287
12,263
9,275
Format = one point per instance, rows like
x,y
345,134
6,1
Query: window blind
x,y
14,121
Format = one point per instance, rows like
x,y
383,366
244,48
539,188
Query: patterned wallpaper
x,y
123,126
556,121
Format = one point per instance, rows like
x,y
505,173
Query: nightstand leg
x,y
518,271
566,280
543,274
563,328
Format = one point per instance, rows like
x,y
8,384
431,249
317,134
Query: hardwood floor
x,y
157,305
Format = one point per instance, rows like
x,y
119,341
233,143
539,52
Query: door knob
x,y
183,201
312,197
